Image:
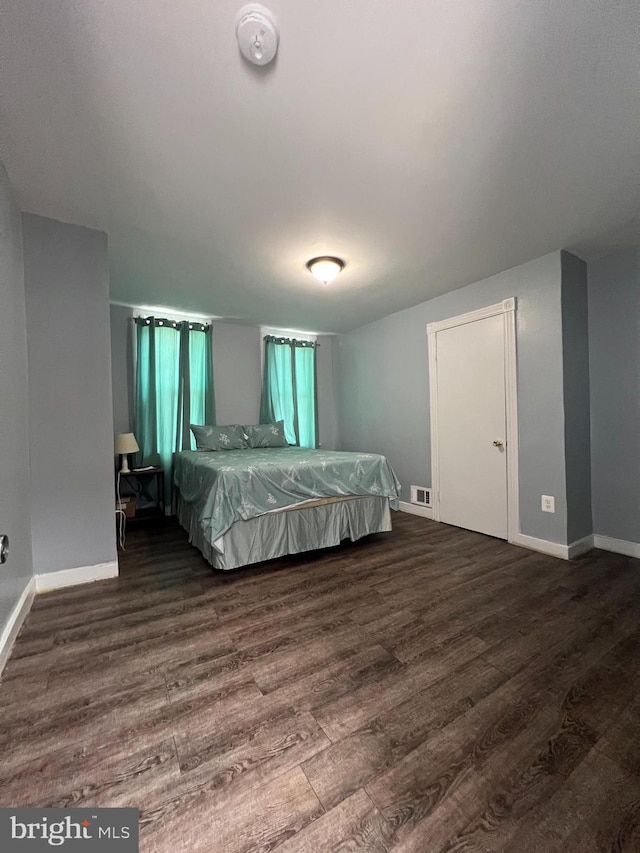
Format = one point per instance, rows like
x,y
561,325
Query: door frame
x,y
507,308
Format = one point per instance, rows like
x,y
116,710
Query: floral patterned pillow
x,y
266,435
230,437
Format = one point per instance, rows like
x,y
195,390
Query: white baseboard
x,y
414,509
581,546
554,549
15,620
619,546
70,577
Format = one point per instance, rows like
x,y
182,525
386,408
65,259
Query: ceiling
x,y
429,143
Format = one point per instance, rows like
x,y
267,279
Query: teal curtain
x,y
174,388
289,389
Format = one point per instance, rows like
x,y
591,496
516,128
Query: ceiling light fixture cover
x,y
257,34
326,268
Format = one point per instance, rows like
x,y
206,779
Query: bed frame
x,y
293,530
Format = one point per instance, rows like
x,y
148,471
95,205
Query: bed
x,y
245,506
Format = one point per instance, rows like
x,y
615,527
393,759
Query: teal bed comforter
x,y
232,485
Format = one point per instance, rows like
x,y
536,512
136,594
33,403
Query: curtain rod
x,y
198,326
300,342
163,321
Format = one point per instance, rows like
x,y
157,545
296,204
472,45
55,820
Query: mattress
x,y
246,506
235,485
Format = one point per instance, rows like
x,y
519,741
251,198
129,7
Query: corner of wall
x,y
15,465
67,288
614,377
576,396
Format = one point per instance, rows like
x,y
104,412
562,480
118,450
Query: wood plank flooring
x,y
425,690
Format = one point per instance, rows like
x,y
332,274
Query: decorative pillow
x,y
230,437
266,435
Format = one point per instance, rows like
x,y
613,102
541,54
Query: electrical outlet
x,y
548,503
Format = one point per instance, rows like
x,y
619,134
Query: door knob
x,y
4,548
497,443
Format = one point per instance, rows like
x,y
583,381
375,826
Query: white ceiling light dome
x,y
325,268
257,34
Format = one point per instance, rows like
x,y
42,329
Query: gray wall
x,y
236,359
326,392
614,368
383,387
14,449
70,406
575,360
122,368
236,373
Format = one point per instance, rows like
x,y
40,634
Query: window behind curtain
x,y
174,388
305,364
289,389
201,382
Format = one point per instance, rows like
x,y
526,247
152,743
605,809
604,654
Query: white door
x,y
471,426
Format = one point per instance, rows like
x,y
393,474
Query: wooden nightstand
x,y
147,483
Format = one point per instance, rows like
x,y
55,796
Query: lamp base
x,y
124,468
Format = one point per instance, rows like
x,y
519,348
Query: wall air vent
x,y
421,495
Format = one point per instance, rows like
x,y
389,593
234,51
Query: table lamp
x,y
123,444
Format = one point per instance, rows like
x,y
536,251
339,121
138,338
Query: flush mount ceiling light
x,y
326,268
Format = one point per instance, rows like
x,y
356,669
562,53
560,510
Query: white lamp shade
x,y
325,269
125,442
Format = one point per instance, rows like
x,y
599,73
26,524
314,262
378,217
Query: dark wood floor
x,y
425,690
